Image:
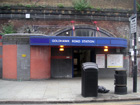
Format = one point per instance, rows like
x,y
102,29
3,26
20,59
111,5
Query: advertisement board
x,y
100,60
114,60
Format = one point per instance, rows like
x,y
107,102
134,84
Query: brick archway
x,y
101,31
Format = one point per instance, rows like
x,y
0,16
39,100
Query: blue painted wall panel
x,y
103,42
120,42
43,41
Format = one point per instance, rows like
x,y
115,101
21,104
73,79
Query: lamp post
x,y
135,55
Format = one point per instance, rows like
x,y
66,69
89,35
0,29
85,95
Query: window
x,y
83,32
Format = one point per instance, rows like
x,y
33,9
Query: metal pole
x,y
135,56
135,65
135,5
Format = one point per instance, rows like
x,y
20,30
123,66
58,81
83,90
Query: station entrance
x,y
45,58
69,49
81,56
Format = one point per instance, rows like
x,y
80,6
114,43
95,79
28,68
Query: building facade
x,y
36,56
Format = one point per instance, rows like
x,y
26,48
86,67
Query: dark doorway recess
x,y
80,56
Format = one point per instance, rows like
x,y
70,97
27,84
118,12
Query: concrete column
x,y
23,62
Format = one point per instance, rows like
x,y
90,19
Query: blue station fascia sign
x,y
77,41
72,42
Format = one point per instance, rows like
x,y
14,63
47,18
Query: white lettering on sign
x,y
76,41
60,40
88,41
133,23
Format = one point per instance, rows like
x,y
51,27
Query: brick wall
x,y
120,29
0,58
117,28
9,61
40,62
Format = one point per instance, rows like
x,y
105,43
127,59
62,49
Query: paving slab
x,y
60,91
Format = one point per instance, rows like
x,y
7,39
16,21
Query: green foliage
x,y
20,5
138,6
60,5
7,29
30,6
81,5
6,5
98,9
90,7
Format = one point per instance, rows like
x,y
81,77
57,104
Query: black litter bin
x,y
89,79
120,81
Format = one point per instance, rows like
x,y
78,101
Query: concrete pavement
x,y
60,91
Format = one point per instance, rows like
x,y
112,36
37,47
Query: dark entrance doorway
x,y
80,56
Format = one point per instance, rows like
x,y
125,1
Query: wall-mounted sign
x,y
114,60
72,41
23,55
58,41
81,41
27,16
133,23
139,39
100,60
77,41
